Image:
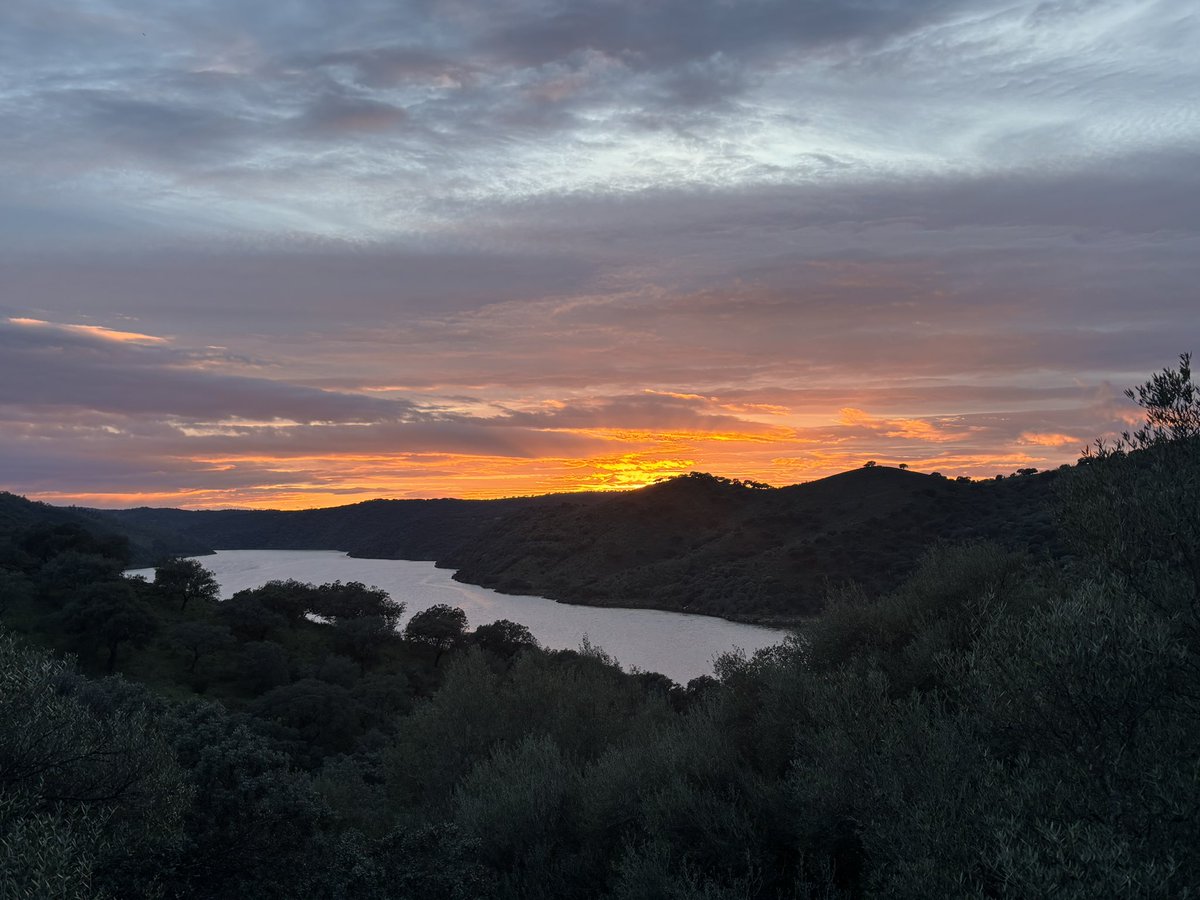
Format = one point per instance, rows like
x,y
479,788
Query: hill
x,y
698,543
376,529
147,541
709,545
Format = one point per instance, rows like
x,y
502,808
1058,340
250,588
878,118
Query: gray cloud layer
x,y
519,216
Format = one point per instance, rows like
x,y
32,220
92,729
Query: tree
x,y
903,465
248,618
291,599
44,542
321,714
255,827
354,600
185,580
64,575
110,613
200,639
14,588
440,626
1131,505
1172,404
870,464
362,638
263,665
504,638
85,779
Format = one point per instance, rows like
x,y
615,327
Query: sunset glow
x,y
447,253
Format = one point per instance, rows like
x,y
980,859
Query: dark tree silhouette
x,y
200,639
504,638
441,627
248,618
110,613
185,580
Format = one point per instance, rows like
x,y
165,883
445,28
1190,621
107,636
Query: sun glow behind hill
x,y
148,421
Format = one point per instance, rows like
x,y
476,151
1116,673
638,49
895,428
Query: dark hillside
x,y
698,543
378,529
708,545
148,542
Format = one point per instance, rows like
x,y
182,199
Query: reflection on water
x,y
680,646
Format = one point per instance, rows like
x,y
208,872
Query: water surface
x,y
680,646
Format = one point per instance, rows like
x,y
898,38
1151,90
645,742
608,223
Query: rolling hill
x,y
698,543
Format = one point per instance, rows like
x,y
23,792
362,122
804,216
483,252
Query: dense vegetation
x,y
1001,724
144,543
381,529
712,545
699,543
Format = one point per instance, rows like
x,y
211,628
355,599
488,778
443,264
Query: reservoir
x,y
679,645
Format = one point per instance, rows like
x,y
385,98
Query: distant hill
x,y
377,529
708,545
698,543
147,542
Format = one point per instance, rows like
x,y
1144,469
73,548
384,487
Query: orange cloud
x,y
96,331
936,431
1050,439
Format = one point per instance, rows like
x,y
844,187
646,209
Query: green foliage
x,y
1130,509
247,617
197,639
354,600
63,576
440,626
933,612
504,638
110,614
1172,404
363,638
86,783
44,541
255,826
16,589
263,665
290,599
516,804
184,581
319,713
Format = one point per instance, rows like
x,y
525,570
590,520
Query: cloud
x,y
642,233
338,113
86,367
93,331
1050,439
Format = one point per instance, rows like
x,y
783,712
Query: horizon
x,y
876,466
293,260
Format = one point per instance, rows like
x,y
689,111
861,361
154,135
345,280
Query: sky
x,y
309,253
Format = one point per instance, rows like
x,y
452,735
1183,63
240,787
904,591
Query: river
x,y
679,645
